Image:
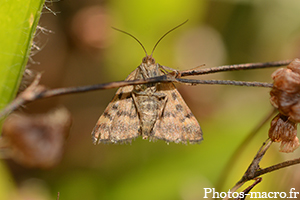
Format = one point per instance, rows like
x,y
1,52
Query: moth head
x,y
148,60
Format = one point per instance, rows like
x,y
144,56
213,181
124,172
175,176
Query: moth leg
x,y
175,71
159,95
135,101
195,70
163,106
133,94
143,71
141,93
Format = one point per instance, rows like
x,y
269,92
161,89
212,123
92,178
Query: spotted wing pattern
x,y
120,121
176,123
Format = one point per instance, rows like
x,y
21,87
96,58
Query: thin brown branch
x,y
240,149
29,94
38,92
253,167
248,189
277,167
260,172
223,68
117,84
254,171
35,91
225,82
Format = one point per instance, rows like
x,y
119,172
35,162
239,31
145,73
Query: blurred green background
x,y
81,48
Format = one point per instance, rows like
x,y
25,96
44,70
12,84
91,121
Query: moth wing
x,y
176,123
119,122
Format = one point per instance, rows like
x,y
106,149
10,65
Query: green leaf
x,y
18,22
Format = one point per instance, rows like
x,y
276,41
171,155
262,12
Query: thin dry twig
x,y
248,189
234,67
241,148
277,167
35,91
253,167
254,170
31,93
224,82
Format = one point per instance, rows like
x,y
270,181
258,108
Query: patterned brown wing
x,y
176,123
120,121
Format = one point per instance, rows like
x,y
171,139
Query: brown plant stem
x,y
277,167
39,92
254,171
253,167
248,189
226,170
223,68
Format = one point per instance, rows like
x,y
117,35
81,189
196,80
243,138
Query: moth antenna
x,y
133,38
167,34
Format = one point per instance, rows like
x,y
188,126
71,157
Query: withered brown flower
x,y
285,131
285,96
36,141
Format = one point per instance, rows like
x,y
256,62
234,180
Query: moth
x,y
153,110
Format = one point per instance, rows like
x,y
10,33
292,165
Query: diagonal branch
x,y
224,82
254,171
35,91
234,67
40,92
237,153
277,167
248,189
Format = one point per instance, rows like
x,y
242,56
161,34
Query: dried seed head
x,y
289,146
36,141
285,94
285,131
